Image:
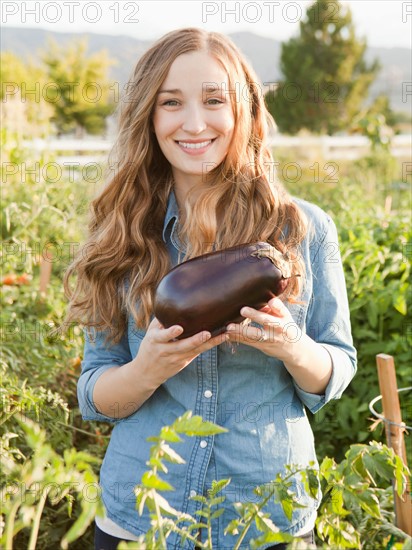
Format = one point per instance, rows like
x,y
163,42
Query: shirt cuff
x,y
85,389
342,371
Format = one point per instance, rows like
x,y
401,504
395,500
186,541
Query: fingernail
x,y
177,330
244,311
230,327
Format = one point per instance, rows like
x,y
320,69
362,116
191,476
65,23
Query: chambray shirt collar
x,y
172,214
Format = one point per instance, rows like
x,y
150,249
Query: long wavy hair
x,y
126,219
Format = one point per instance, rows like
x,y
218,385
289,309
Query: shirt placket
x,y
206,407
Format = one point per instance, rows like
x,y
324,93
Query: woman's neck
x,y
181,192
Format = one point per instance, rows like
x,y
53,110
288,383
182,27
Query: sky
x,y
384,23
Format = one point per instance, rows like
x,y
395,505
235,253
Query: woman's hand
x,y
120,391
278,333
162,356
307,361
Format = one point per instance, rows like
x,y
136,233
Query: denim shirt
x,y
246,391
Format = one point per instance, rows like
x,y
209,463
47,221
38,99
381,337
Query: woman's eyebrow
x,y
211,87
174,91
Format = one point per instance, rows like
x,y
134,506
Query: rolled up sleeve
x,y
97,358
328,318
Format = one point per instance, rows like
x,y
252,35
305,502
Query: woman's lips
x,y
195,148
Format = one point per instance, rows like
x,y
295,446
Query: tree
x,y
24,110
326,77
78,89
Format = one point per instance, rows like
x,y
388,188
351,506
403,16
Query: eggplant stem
x,y
279,260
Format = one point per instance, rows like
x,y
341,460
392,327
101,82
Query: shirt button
x,y
203,443
192,493
208,394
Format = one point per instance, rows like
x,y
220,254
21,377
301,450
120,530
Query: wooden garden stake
x,y
394,433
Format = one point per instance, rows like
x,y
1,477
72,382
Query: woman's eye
x,y
214,101
170,102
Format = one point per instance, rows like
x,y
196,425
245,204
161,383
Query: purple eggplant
x,y
208,292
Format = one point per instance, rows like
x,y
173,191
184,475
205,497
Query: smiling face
x,y
193,119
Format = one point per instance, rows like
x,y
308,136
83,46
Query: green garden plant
x,y
375,243
351,497
39,371
45,476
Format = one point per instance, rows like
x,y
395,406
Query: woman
x,y
192,176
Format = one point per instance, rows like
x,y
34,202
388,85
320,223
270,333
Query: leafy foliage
x,y
369,202
187,526
353,499
24,108
42,212
45,476
68,89
82,96
39,371
352,495
325,74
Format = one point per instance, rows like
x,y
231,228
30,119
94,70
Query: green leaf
x,y
400,475
287,507
264,523
156,462
194,425
217,513
336,501
202,513
327,467
370,503
372,313
233,527
360,468
337,533
310,478
152,481
167,453
199,498
80,526
270,537
380,464
169,434
218,486
399,303
196,526
162,503
141,496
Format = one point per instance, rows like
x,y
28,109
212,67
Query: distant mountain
x,y
263,53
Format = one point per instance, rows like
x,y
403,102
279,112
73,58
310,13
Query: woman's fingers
x,y
202,340
158,333
260,317
250,334
268,314
278,307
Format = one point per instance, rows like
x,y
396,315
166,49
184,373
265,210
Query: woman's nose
x,y
194,121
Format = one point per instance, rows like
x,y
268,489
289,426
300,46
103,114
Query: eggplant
x,y
207,292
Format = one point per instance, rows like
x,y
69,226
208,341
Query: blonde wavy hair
x,y
126,219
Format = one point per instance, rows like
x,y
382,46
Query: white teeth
x,y
194,145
